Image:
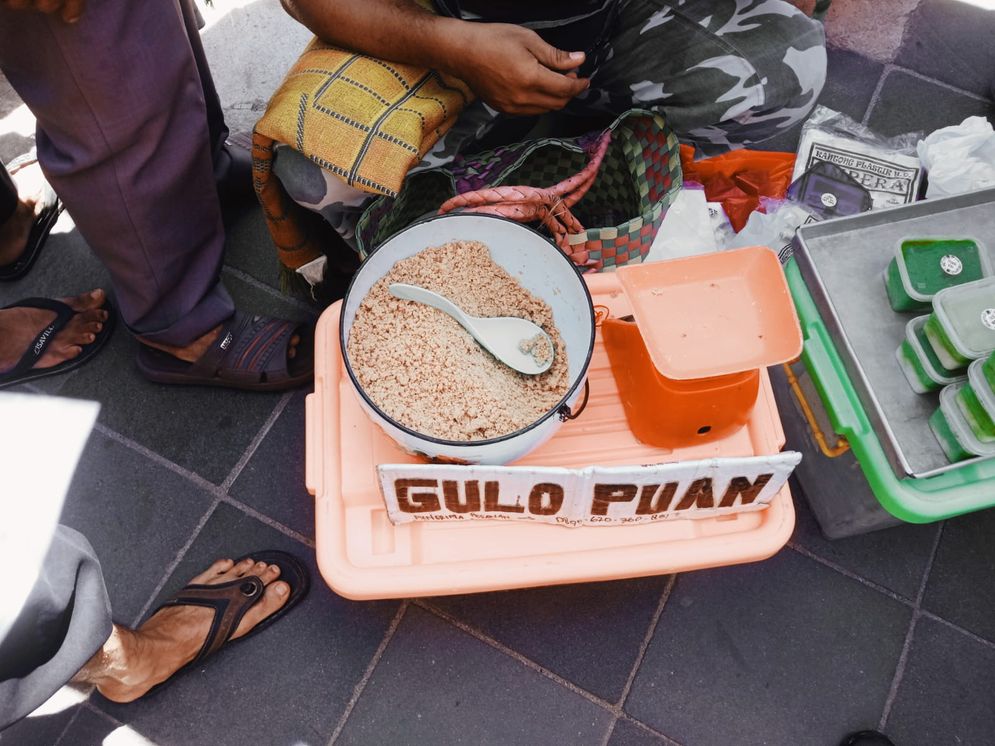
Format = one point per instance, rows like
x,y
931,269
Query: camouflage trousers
x,y
725,74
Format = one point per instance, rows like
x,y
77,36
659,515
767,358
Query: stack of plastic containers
x,y
920,364
961,332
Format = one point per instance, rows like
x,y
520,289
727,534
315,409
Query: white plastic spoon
x,y
509,339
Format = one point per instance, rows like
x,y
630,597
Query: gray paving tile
x,y
910,104
894,558
205,430
288,685
250,248
850,83
438,685
782,651
589,634
952,42
946,694
960,584
123,502
273,480
92,729
629,734
37,730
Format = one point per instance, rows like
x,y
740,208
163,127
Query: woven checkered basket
x,y
622,179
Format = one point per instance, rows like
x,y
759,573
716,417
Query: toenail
x,y
280,590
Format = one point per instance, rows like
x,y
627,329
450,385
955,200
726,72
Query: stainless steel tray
x,y
842,262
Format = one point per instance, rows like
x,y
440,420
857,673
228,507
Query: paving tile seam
x,y
876,95
180,554
258,284
957,628
271,522
850,574
159,459
69,723
903,658
525,661
219,494
360,687
925,78
615,710
647,638
256,441
642,726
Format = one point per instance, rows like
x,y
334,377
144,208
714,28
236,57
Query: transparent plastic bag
x,y
888,168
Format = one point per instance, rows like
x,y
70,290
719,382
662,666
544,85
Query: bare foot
x,y
195,350
20,326
14,232
135,661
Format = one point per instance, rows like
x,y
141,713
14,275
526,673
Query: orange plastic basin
x,y
714,314
669,413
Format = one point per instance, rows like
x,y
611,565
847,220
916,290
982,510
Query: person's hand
x,y
513,70
68,10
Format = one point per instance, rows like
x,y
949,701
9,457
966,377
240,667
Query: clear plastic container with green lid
x,y
952,430
977,402
922,267
988,368
962,325
922,368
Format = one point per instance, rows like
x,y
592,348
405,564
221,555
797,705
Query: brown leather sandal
x,y
230,602
250,353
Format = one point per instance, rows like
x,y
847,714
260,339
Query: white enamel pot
x,y
541,268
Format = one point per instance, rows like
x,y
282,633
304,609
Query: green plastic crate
x,y
962,490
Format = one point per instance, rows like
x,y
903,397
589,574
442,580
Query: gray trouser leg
x,y
66,619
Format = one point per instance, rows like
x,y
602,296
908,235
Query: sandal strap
x,y
230,602
44,338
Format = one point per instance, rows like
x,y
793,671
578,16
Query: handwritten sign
x,y
594,496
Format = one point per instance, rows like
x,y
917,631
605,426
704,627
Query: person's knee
x,y
787,57
792,67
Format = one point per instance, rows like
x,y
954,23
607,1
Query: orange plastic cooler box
x,y
362,555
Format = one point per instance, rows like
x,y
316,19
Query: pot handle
x,y
564,411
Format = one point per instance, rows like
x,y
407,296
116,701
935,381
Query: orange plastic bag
x,y
739,178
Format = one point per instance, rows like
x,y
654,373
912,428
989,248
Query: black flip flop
x,y
36,240
230,601
25,371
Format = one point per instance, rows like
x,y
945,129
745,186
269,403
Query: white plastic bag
x,y
960,158
687,228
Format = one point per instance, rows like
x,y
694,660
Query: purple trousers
x,y
129,127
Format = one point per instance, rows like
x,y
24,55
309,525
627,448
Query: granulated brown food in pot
x,y
422,369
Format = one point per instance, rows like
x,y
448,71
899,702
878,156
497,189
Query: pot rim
x,y
490,441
